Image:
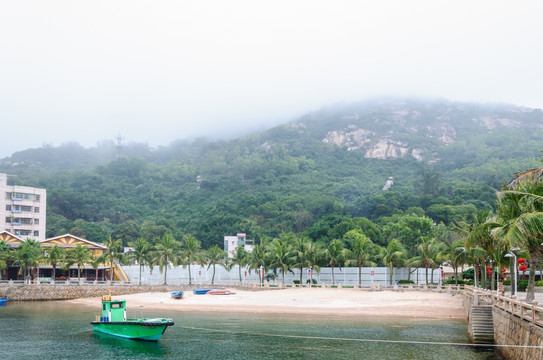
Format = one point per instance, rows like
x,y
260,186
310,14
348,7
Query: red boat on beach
x,y
219,292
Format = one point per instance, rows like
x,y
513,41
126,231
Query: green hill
x,y
446,159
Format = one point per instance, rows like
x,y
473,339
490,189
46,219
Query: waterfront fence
x,y
532,312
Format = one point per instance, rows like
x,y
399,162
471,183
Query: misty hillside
x,y
445,158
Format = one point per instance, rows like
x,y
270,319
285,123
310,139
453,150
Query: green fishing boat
x,y
113,322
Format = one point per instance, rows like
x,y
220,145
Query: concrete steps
x,y
481,325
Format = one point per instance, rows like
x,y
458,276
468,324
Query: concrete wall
x,y
345,276
511,330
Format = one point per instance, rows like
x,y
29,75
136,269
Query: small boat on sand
x,y
113,322
219,292
177,295
3,301
202,291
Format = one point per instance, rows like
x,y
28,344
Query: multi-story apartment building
x,y
22,210
231,244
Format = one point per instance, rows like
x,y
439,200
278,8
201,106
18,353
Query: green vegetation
x,y
309,202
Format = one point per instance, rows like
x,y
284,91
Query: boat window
x,y
116,305
104,306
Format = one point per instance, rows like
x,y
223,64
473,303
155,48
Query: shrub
x,y
297,282
468,274
539,283
406,282
314,281
453,282
522,285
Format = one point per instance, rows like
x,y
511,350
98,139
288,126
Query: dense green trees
x,y
521,214
288,180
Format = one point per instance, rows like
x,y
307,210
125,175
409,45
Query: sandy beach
x,y
317,301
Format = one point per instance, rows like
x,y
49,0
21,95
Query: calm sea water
x,y
58,330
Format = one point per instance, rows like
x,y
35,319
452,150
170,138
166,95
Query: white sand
x,y
318,301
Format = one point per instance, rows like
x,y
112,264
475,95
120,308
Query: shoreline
x,y
306,301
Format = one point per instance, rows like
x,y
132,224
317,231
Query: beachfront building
x,y
231,244
22,210
44,271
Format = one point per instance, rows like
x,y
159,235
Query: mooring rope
x,y
240,332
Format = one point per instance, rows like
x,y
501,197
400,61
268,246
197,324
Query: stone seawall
x,y
41,292
511,330
65,292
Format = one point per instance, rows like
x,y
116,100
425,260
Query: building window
x,y
36,221
36,209
8,207
26,208
37,197
26,221
36,233
8,220
8,195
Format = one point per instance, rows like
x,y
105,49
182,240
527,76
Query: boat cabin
x,y
113,310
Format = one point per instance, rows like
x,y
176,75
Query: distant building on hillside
x,y
231,244
22,210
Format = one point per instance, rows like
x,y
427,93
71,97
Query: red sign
x,y
245,273
372,273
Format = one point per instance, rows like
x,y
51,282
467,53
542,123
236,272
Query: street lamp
x,y
512,254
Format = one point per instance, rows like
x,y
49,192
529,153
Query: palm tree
x,y
455,256
362,251
426,250
54,256
191,251
28,255
142,248
167,249
280,255
80,255
258,258
335,254
299,250
240,259
151,259
95,263
520,206
5,251
393,256
112,254
214,255
314,254
438,255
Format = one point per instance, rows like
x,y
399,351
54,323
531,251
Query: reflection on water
x,y
58,330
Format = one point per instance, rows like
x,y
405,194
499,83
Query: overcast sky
x,y
156,71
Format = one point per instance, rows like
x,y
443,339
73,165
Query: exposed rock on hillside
x,y
444,132
386,149
352,138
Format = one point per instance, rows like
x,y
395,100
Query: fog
x,y
157,71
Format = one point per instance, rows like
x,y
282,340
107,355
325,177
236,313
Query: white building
x,y
22,210
231,244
